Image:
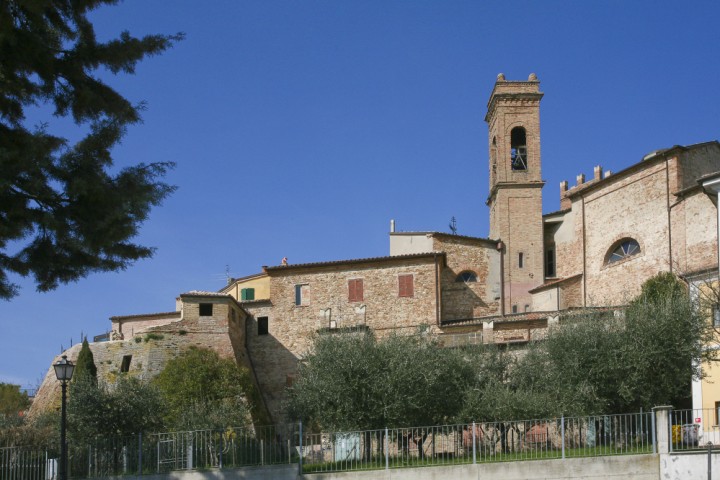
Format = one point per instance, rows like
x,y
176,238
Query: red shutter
x,y
406,286
355,290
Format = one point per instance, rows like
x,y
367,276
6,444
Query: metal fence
x,y
478,442
462,443
18,463
694,429
157,453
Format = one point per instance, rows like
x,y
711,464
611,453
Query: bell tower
x,y
515,198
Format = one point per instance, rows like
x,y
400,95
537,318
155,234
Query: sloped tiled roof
x,y
552,283
279,268
145,315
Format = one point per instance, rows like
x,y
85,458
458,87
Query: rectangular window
x,y
355,290
520,260
550,263
406,287
302,296
262,325
206,309
717,413
514,309
125,366
716,316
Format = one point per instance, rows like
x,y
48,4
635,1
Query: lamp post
x,y
64,372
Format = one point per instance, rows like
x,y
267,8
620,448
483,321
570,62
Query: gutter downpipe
x,y
438,296
501,249
669,210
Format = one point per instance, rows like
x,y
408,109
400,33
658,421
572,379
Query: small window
x,y
262,325
527,308
550,262
302,294
125,365
716,316
514,309
624,249
355,290
406,287
206,309
717,413
518,149
466,277
520,260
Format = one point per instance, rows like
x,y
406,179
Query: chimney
x,y
608,173
580,179
597,172
392,226
565,202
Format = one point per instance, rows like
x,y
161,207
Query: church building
x,y
613,231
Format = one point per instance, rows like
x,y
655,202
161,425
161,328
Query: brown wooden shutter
x,y
355,290
405,286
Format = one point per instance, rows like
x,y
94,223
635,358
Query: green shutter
x,y
247,294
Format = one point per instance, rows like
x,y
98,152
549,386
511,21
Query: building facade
x,y
612,232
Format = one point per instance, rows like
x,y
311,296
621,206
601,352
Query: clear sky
x,y
300,128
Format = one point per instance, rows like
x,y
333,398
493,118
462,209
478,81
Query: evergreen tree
x,y
85,364
62,210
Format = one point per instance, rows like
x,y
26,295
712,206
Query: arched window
x,y
466,277
518,149
623,249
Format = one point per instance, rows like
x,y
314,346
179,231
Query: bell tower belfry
x,y
515,198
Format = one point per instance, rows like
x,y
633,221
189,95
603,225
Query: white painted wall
x,y
409,243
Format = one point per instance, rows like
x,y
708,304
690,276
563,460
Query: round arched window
x,y
466,277
624,249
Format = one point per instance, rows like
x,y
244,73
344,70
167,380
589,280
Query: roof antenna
x,y
227,274
453,225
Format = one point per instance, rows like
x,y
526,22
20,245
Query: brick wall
x,y
292,328
462,300
130,325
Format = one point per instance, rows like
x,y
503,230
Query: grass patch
x,y
378,462
153,336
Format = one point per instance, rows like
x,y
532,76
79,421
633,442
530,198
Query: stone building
x,y
612,232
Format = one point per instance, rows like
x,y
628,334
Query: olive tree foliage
x,y
609,363
64,211
129,406
354,381
594,362
204,391
13,401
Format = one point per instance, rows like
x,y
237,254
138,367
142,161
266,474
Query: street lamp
x,y
64,372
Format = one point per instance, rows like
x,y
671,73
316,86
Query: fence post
x,y
387,450
663,416
474,450
140,453
562,434
300,460
652,429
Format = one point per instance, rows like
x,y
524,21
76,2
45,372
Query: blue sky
x,y
300,128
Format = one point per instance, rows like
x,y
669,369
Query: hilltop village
x,y
614,230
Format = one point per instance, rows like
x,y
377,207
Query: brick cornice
x,y
511,185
